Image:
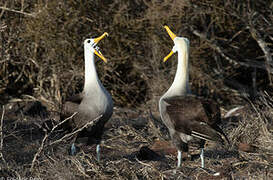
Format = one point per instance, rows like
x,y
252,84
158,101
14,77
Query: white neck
x,y
180,85
90,76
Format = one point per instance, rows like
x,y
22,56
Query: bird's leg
x,y
98,152
179,158
73,147
202,158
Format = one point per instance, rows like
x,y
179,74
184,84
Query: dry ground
x,y
135,146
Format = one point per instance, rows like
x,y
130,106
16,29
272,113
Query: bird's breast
x,y
96,103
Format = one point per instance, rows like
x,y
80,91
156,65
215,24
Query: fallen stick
x,y
1,136
78,130
37,154
15,11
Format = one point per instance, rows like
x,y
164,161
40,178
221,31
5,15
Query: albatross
x,y
188,117
94,102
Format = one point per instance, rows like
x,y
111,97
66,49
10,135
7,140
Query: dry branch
x,y
38,152
44,140
3,11
78,130
79,166
1,136
2,28
15,11
248,63
268,59
214,46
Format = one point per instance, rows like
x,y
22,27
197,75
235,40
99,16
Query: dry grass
x,y
41,59
42,53
125,135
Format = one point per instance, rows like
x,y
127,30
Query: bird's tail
x,y
218,129
206,132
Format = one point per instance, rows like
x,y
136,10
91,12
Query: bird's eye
x,y
88,41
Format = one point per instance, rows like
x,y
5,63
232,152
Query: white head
x,y
179,43
90,45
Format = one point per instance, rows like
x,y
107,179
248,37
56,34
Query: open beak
x,y
168,56
172,35
98,53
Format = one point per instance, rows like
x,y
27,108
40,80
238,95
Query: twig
x,y
15,11
38,152
78,130
268,58
233,112
211,172
22,5
1,135
235,35
63,122
2,28
78,164
44,140
151,166
3,11
145,164
214,46
248,63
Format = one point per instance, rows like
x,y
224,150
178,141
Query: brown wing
x,y
71,105
68,109
77,98
195,116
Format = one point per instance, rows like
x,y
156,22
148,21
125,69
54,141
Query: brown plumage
x,y
195,116
188,117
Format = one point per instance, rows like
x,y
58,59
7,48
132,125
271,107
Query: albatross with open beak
x,y
94,101
186,115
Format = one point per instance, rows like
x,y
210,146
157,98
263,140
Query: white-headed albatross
x,y
187,116
94,101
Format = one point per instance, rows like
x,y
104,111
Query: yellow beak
x,y
172,35
168,56
101,56
96,40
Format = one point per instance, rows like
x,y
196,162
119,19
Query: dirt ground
x,y
135,146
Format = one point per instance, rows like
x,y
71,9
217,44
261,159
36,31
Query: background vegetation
x,y
41,58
